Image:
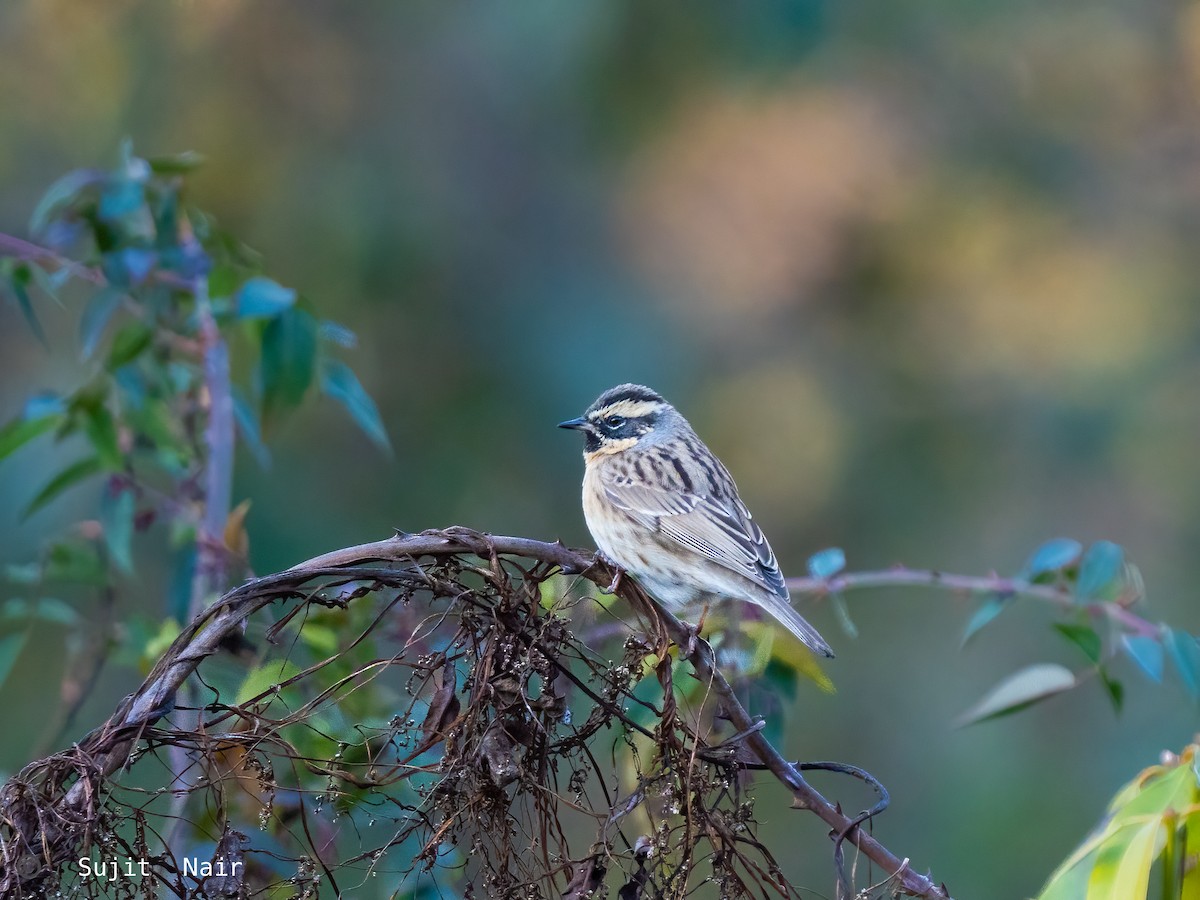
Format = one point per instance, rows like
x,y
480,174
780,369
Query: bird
x,y
663,508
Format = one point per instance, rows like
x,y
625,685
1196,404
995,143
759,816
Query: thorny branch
x,y
498,733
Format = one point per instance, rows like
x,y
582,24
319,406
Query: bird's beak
x,y
579,424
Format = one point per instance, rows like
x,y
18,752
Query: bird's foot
x,y
692,632
688,647
618,572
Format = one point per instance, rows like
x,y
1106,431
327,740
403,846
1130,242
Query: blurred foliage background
x,y
923,275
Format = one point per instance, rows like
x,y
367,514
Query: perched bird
x,y
662,507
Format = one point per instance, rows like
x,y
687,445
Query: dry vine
x,y
517,756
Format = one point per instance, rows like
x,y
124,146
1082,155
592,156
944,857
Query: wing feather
x,y
720,528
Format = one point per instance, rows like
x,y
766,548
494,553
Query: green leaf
x,y
19,284
21,430
11,646
262,298
1185,654
1052,556
68,477
247,425
288,361
1114,689
75,562
128,344
1100,567
101,430
1082,636
1153,796
340,383
826,563
1146,652
96,315
987,611
1122,869
116,515
176,164
1020,690
321,639
260,680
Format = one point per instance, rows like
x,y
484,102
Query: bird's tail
x,y
782,611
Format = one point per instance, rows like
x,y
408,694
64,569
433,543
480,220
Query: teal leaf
x,y
121,197
96,315
1083,637
1101,565
288,360
55,612
336,333
1147,653
1019,691
68,477
130,265
116,516
1185,654
46,403
23,573
23,429
843,614
51,282
262,298
11,646
340,383
987,611
1052,556
248,428
826,563
62,193
44,609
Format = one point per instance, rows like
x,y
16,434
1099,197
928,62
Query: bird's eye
x,y
614,421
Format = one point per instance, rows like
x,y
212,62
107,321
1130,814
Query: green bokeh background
x,y
924,275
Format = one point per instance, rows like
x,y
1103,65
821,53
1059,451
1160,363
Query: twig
x,y
995,585
210,572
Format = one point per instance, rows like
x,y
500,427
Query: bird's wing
x,y
720,528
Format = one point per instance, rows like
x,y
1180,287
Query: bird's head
x,y
621,418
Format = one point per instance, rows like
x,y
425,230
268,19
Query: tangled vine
x,y
518,762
